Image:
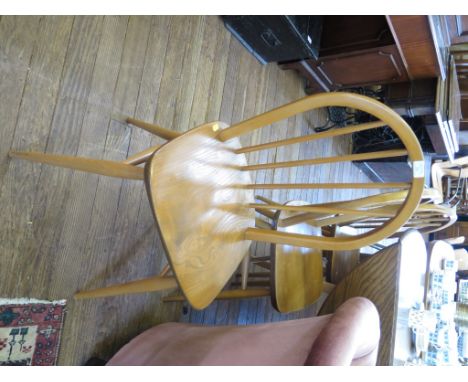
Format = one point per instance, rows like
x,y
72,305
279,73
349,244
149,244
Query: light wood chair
x,y
426,219
450,178
202,195
429,217
377,210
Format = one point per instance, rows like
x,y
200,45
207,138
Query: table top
x,y
393,279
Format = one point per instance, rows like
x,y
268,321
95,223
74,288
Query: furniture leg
x,y
262,224
96,166
142,156
267,213
154,129
151,284
165,271
228,294
245,271
328,287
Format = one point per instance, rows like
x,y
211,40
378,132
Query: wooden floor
x,y
64,82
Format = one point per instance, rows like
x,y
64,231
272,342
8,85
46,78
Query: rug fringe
x,y
24,301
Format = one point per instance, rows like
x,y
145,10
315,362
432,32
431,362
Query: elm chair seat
x,y
199,207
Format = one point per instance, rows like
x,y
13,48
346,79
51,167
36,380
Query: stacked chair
x,y
450,179
430,216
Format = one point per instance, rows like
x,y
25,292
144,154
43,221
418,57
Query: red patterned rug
x,y
30,332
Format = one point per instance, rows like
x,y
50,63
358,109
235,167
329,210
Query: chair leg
x,y
262,261
95,166
263,264
328,287
245,271
265,200
154,129
228,294
165,271
246,260
267,213
259,223
151,284
142,156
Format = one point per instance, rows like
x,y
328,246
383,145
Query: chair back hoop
x,y
429,216
429,196
385,117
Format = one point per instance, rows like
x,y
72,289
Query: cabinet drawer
x,y
375,66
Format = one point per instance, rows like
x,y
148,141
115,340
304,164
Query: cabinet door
x,y
347,34
375,66
458,29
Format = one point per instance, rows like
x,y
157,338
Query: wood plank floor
x,y
63,83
